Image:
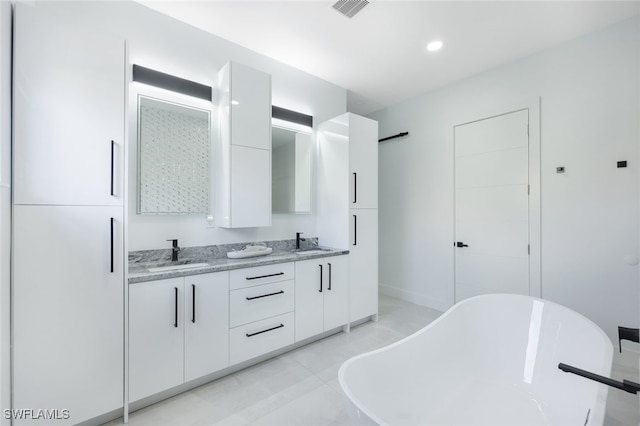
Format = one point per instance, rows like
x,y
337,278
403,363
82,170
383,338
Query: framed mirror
x,y
173,158
291,169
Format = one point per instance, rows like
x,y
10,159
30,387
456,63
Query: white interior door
x,y
492,206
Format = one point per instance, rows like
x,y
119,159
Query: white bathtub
x,y
489,360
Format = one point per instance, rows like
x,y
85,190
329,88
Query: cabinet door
x,y
363,263
206,324
68,309
363,162
336,291
309,296
250,107
250,187
156,332
68,114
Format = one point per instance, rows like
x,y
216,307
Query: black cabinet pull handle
x,y
355,187
264,331
265,295
329,288
355,230
111,244
320,278
113,147
461,244
193,303
175,318
265,276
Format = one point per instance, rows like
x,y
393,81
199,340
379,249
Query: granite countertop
x,y
139,271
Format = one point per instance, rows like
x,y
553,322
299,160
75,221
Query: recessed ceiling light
x,y
434,45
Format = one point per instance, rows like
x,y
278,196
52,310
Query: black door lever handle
x,y
461,244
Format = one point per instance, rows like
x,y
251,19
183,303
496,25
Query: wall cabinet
x,y
178,331
68,146
322,296
347,203
243,152
363,162
69,115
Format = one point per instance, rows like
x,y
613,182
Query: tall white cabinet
x,y
68,209
243,154
348,203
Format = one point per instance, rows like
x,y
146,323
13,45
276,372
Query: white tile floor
x,y
301,386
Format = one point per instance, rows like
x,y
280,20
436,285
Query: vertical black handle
x,y
111,243
320,279
175,318
193,303
355,187
355,230
113,147
329,288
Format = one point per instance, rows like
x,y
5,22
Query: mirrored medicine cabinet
x,y
291,171
174,145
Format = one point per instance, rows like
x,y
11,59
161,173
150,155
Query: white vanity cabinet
x,y
262,309
243,151
347,203
322,296
178,331
206,324
68,230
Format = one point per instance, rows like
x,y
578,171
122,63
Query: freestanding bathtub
x,y
489,360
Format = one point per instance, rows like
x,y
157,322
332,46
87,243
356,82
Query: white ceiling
x,y
380,54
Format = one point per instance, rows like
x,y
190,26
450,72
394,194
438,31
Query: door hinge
x,y
528,189
527,130
528,248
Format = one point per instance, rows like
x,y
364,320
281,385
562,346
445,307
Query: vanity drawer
x,y
260,337
241,278
258,302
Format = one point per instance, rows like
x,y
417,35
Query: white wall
x,y
170,46
589,90
5,205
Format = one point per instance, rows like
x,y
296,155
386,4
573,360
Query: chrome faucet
x,y
174,251
298,239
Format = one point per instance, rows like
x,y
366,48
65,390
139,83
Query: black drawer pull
x,y
111,246
264,331
113,147
320,278
265,295
175,309
193,303
355,188
355,230
265,276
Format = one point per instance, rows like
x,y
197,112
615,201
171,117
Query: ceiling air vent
x,y
350,7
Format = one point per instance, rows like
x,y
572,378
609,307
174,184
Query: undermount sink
x,y
178,267
315,250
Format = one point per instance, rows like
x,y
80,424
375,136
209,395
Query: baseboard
x,y
411,297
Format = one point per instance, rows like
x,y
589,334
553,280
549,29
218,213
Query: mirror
x,y
173,158
291,171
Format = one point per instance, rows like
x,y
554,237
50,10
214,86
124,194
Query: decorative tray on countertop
x,y
250,251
